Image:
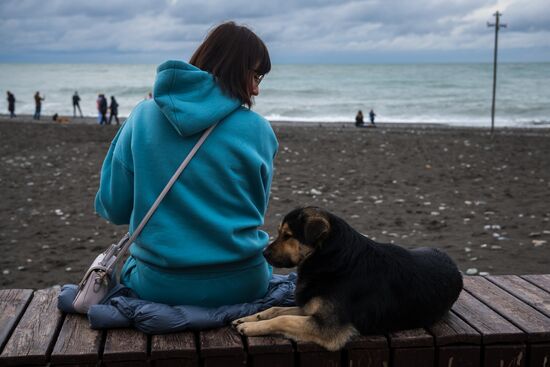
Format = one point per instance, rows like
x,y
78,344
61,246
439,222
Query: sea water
x,y
456,94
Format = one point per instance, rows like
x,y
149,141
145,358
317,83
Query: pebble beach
x,y
481,197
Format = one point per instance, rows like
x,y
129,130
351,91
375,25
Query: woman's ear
x,y
316,230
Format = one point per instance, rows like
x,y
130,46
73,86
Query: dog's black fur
x,y
377,288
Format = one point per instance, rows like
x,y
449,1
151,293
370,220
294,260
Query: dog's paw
x,y
252,329
242,328
237,322
251,318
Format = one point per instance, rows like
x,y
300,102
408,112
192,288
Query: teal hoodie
x,y
202,246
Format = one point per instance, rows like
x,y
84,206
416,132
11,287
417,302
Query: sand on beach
x,y
482,199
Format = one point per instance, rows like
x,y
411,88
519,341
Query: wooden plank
x,y
534,323
77,343
176,349
368,351
31,341
458,343
270,351
222,348
493,327
313,355
459,355
414,348
539,355
12,304
527,292
452,330
413,357
542,280
504,355
123,346
411,338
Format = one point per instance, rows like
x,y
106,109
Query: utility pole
x,y
497,26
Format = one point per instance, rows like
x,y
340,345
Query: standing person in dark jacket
x,y
114,110
102,108
38,105
76,104
11,104
372,115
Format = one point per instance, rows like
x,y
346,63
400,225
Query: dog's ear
x,y
316,230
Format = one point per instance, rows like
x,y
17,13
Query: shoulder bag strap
x,y
125,243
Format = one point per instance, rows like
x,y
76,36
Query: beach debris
x,y
68,268
58,212
471,271
399,201
496,247
488,227
315,192
427,203
434,213
468,202
45,247
21,268
483,273
379,201
473,258
534,234
467,249
428,166
354,216
538,243
6,272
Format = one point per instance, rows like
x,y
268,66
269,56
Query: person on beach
x,y
371,116
102,109
203,245
11,104
38,105
76,104
114,111
359,122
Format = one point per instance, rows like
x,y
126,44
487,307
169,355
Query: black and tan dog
x,y
348,284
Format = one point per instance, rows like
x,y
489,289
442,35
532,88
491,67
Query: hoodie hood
x,y
190,98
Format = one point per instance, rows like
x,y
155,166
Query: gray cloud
x,y
288,26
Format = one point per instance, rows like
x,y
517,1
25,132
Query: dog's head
x,y
301,233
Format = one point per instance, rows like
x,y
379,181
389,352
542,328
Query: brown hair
x,y
233,53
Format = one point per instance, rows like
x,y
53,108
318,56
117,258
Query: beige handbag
x,y
101,277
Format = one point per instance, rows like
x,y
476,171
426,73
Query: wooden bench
x,y
497,321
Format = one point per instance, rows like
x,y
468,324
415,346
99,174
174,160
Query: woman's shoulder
x,y
244,117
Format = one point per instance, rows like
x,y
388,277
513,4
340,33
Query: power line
x,y
497,26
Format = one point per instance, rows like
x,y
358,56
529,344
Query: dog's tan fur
x,y
300,324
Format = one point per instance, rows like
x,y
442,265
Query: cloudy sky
x,y
301,31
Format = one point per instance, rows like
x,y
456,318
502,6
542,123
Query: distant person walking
x,y
114,110
102,109
38,105
359,122
76,104
11,104
372,115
